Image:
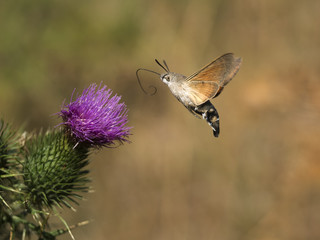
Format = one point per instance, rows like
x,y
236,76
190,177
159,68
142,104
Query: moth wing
x,y
209,81
202,92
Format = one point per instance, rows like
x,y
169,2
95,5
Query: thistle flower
x,y
96,117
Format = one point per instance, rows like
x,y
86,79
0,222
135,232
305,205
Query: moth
x,y
196,90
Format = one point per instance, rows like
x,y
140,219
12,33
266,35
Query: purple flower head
x,y
96,117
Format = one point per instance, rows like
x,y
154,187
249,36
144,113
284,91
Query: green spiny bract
x,y
53,170
8,144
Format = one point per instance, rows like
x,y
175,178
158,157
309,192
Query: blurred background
x,y
259,180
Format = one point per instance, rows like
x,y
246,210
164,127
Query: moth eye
x,y
165,78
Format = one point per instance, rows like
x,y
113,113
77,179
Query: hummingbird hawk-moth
x,y
196,90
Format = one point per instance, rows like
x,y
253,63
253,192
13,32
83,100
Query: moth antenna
x,y
165,64
166,69
151,86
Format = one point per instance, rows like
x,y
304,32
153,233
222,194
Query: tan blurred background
x,y
259,180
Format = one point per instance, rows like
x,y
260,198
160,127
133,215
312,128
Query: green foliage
x,y
9,149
